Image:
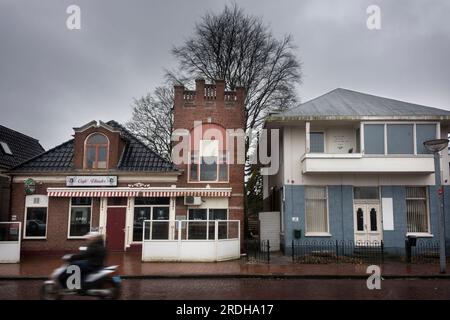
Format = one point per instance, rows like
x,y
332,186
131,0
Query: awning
x,y
138,192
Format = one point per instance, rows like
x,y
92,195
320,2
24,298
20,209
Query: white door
x,y
367,219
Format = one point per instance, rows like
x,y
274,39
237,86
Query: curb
x,y
253,276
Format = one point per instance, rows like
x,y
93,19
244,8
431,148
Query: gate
x,y
258,250
10,242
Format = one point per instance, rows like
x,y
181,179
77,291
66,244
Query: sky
x,y
53,79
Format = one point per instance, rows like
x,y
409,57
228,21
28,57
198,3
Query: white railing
x,y
10,242
190,240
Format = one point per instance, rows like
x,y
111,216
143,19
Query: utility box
x,y
270,228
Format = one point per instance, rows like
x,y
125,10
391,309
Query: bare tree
x,y
152,120
241,50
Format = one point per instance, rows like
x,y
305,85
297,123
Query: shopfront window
x,y
36,217
205,230
80,217
151,209
96,152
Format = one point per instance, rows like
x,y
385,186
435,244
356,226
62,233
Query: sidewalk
x,y
39,267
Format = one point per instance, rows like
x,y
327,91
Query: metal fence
x,y
423,251
316,252
258,250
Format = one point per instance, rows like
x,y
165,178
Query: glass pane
x,y
374,138
424,132
117,201
196,230
373,220
97,139
315,192
81,201
36,223
160,230
316,216
160,213
80,221
400,139
140,215
360,219
218,214
417,216
151,201
358,140
208,169
9,232
316,142
197,214
366,192
416,192
90,157
101,161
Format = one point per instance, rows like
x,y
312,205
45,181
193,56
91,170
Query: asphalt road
x,y
245,289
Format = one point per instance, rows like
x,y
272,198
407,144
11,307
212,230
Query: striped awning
x,y
138,192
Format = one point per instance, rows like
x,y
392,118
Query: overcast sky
x,y
52,78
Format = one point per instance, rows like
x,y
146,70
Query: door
x,y
115,229
367,219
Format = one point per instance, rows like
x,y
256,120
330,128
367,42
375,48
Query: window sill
x,y
77,238
317,234
420,234
34,238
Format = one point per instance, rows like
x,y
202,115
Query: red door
x,y
115,229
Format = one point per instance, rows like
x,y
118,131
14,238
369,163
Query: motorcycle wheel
x,y
49,291
114,288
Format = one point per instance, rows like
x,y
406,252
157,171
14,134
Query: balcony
x,y
358,163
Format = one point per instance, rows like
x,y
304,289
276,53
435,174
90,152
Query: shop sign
x,y
91,181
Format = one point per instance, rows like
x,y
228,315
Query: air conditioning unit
x,y
192,201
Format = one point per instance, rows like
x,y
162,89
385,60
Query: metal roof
x,y
352,104
136,156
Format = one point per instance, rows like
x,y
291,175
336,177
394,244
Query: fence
x,y
191,240
10,242
258,250
424,251
315,252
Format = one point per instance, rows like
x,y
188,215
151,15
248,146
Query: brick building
x,y
106,179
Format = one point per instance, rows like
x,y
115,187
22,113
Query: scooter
x,y
103,283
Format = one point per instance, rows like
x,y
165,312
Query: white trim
x,y
96,160
427,201
151,206
420,234
327,208
26,215
318,234
70,216
207,219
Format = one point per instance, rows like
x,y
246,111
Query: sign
x,y
30,186
91,181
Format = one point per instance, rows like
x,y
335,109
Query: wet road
x,y
231,289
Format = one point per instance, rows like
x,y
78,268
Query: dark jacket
x,y
95,254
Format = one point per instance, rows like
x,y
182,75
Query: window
x,y
316,210
205,230
210,164
424,132
80,217
5,148
96,151
36,217
374,138
316,142
400,139
417,210
151,209
366,193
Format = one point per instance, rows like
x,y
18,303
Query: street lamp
x,y
435,146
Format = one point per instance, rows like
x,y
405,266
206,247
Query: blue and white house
x,y
353,167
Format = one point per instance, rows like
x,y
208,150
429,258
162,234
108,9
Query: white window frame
x,y
207,219
70,216
151,206
428,233
318,234
199,170
26,214
385,123
324,141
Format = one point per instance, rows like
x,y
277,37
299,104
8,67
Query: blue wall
x,y
340,206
